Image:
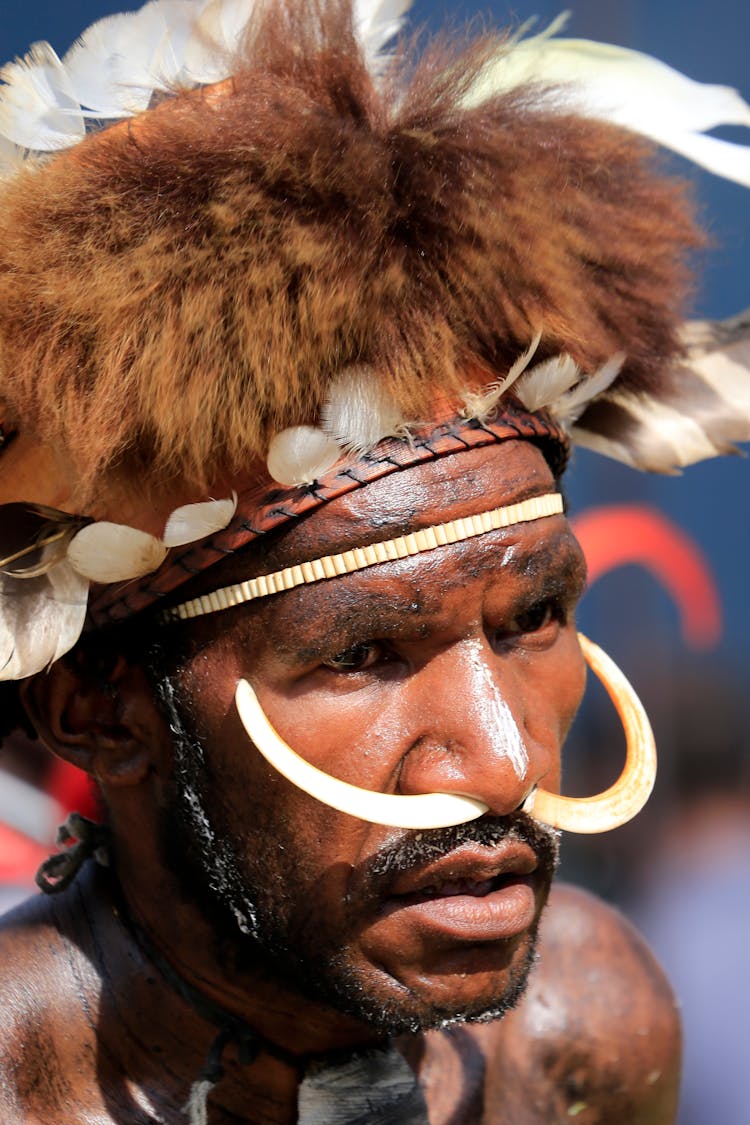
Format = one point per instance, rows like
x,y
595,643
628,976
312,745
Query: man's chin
x,y
439,997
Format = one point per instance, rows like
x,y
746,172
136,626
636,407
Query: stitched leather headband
x,y
266,510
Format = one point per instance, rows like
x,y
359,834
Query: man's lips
x,y
470,865
474,894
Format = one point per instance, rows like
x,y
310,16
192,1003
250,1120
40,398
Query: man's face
x,y
453,671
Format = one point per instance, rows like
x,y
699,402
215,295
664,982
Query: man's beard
x,y
269,924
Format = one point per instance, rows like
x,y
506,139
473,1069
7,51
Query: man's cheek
x,y
556,686
298,848
357,736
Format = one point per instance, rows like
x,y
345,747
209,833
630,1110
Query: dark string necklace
x,y
371,1086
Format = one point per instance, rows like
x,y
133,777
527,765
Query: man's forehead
x,y
427,595
425,495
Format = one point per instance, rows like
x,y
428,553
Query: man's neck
x,y
150,1030
183,946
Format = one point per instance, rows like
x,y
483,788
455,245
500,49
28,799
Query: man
x,y
361,304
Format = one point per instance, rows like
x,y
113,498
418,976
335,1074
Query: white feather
x,y
111,552
688,439
195,521
224,22
546,382
376,23
301,454
713,384
697,413
482,404
11,157
95,66
359,412
570,405
38,109
719,355
628,88
216,39
113,70
657,438
611,447
119,62
173,25
40,620
728,414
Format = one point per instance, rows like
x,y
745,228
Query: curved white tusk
x,y
425,810
610,809
623,800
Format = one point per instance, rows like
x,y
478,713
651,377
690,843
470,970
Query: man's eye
x,y
356,658
538,617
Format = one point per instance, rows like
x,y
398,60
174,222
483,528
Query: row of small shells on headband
x,y
358,411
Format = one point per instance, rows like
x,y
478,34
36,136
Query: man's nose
x,y
474,738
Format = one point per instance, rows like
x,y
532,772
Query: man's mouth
x,y
452,889
473,894
469,865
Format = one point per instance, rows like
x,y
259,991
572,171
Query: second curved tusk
x,y
623,800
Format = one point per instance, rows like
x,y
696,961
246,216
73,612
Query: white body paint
x,y
494,713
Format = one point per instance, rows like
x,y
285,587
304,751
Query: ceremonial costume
x,y
254,259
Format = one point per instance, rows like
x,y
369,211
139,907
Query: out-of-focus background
x,y
670,600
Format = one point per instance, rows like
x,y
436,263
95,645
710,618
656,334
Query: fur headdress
x,y
290,232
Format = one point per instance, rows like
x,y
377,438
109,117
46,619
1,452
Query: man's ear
x,y
103,720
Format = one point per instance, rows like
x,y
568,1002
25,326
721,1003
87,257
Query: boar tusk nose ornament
x,y
610,809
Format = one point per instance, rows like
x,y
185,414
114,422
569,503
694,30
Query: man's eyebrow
x,y
557,556
340,609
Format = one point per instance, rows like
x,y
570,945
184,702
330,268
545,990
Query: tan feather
x,y
698,413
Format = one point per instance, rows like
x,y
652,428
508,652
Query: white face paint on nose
x,y
494,713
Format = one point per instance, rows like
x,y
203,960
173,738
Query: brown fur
x,y
174,291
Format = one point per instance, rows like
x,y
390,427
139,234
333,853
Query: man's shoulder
x,y
29,937
41,1020
591,956
597,1033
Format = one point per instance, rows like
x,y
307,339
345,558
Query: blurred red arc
x,y
617,535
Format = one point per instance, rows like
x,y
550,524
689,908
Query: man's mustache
x,y
418,848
